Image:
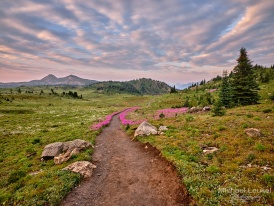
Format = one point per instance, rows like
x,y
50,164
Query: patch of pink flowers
x,y
103,123
170,112
126,121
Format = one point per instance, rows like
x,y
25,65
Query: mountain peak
x,y
49,77
71,75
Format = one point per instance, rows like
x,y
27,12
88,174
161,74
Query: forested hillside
x,y
137,87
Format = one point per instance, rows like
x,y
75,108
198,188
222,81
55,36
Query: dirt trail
x,y
128,173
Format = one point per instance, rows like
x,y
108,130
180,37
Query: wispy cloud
x,y
173,41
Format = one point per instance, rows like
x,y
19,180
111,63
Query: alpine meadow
x,y
128,103
32,117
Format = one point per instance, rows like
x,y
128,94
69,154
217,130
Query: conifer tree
x,y
225,94
173,90
244,86
218,109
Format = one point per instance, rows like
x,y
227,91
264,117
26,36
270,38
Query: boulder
x,y
62,151
77,143
253,132
65,157
84,168
145,129
210,150
52,150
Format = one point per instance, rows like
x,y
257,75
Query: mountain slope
x,y
137,87
52,80
149,86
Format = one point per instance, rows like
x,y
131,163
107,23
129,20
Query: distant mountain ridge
x,y
138,87
71,80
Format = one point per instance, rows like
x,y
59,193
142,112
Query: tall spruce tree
x,y
225,94
244,86
173,90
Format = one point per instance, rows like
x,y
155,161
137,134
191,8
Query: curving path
x,y
128,173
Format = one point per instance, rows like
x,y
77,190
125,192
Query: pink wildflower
x,y
126,121
103,123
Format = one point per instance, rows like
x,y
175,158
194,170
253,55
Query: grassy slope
x,y
49,118
30,122
207,176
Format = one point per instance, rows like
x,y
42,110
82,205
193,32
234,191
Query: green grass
x,y
31,121
207,176
181,145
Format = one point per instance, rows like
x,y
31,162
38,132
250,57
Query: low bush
x,y
189,118
267,110
16,175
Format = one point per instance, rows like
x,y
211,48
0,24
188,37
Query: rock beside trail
x,y
253,132
65,157
62,151
76,144
52,150
84,168
145,129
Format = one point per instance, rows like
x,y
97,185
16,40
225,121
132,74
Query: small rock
x,y
36,172
249,165
84,168
253,132
194,109
207,108
163,128
266,168
210,150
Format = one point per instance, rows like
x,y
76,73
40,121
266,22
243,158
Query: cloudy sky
x,y
176,41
